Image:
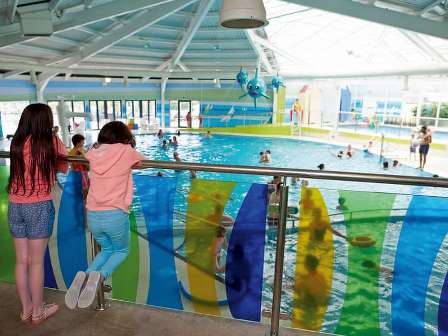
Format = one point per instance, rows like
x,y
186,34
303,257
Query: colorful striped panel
x,y
7,254
366,215
126,276
206,203
71,243
422,234
314,262
157,201
245,256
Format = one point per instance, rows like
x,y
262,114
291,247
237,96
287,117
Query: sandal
x,y
89,292
48,311
26,318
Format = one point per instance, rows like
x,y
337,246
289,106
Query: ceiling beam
x,y
11,10
11,74
53,5
195,23
259,52
114,72
141,21
424,46
379,15
87,16
429,7
409,71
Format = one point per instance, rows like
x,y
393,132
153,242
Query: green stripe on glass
x,y
7,255
366,216
125,278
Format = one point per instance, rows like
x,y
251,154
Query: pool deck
x,y
123,319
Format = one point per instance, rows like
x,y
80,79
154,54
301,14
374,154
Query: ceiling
x,y
182,38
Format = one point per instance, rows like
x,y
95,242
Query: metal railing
x,y
283,205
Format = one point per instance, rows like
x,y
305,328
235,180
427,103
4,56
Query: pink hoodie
x,y
110,176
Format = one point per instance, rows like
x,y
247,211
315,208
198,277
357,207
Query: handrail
x,y
288,172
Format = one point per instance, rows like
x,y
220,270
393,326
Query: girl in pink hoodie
x,y
111,161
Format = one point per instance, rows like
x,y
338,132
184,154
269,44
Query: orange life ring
x,y
362,241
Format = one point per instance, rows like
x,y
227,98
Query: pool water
x,y
291,153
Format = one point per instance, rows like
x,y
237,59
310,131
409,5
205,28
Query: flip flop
x,y
72,295
47,312
89,292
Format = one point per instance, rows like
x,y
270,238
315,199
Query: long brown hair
x,y
35,124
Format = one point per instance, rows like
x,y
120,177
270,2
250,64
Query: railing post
x,y
101,299
279,257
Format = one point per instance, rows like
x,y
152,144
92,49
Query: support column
x,y
162,100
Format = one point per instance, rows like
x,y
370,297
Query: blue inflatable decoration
x,y
277,81
256,88
241,78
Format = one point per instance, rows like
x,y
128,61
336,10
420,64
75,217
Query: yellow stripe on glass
x,y
314,262
206,203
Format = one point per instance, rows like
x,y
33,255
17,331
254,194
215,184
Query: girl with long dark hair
x,y
111,161
34,154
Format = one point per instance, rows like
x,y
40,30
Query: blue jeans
x,y
110,228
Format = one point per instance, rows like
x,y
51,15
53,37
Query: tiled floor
x,y
122,319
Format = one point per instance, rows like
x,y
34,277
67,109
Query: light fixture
x,y
248,14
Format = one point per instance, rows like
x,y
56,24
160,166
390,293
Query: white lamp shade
x,y
239,14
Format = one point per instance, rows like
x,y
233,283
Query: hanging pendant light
x,y
247,14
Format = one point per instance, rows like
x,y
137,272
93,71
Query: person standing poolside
x,y
34,163
426,139
78,149
111,160
188,119
413,146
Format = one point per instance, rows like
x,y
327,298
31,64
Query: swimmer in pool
x,y
160,133
174,142
267,156
263,157
395,164
208,135
340,154
385,165
321,166
164,144
349,152
219,247
178,133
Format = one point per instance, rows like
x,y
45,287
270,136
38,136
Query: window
x,y
78,106
94,114
152,111
110,110
11,112
137,109
145,110
117,108
54,108
173,113
129,109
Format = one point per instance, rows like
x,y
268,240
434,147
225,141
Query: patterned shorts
x,y
31,220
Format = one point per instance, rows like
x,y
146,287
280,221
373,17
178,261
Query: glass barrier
x,y
355,262
366,263
199,248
